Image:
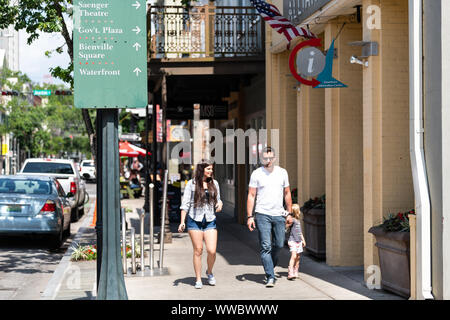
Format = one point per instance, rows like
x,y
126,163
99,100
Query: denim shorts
x,y
204,225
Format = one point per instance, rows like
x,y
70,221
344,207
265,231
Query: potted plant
x,y
314,223
392,241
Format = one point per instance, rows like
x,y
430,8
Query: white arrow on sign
x,y
137,30
137,5
137,70
137,46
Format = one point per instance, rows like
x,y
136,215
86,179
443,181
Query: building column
x,y
343,152
287,154
281,112
388,186
311,143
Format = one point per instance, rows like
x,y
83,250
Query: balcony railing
x,y
205,31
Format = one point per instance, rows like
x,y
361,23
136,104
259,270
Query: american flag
x,y
272,15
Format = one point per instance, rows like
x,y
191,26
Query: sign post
x,y
110,72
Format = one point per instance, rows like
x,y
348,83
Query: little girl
x,y
296,243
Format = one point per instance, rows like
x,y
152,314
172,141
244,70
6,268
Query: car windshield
x,y
48,167
88,164
26,186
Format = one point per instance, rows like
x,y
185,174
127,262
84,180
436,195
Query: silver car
x,y
34,205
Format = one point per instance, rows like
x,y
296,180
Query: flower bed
x,y
84,253
89,252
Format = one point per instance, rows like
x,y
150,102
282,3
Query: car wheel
x,y
75,215
81,211
67,232
57,240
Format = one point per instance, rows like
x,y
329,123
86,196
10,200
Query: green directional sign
x,y
110,53
42,92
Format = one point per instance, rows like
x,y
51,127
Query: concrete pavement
x,y
238,271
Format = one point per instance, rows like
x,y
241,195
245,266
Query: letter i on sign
x,y
311,61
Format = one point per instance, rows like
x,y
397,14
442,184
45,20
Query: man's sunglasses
x,y
267,158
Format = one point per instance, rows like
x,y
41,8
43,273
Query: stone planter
x,y
393,252
314,224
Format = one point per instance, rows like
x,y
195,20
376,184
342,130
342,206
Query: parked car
x,y
88,170
34,205
67,175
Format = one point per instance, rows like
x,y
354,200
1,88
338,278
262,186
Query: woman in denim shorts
x,y
200,205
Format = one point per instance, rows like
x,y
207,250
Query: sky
x,y
32,59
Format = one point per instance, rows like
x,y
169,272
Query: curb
x,y
54,284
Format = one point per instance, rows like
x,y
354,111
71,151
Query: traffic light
x,y
10,93
63,92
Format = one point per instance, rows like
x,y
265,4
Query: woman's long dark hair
x,y
199,194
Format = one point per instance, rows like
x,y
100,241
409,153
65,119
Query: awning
x,y
130,150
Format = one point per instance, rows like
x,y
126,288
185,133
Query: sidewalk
x,y
238,271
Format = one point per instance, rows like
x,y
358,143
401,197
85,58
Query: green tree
x,y
54,128
25,123
48,16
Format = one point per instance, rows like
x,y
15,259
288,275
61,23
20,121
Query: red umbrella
x,y
129,150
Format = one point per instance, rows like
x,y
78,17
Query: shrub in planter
x,y
392,241
89,252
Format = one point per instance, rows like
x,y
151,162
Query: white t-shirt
x,y
269,190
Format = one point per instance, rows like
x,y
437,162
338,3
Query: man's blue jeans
x,y
271,232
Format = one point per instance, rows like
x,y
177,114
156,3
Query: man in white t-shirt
x,y
269,184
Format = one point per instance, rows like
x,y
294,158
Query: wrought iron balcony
x,y
205,32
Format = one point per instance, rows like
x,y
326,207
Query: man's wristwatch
x,y
286,213
250,217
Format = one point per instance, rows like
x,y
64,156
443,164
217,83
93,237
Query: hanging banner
x,y
159,132
311,62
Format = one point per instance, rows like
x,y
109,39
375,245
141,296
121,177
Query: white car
x,y
87,170
67,175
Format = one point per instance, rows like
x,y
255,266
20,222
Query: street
x,y
27,264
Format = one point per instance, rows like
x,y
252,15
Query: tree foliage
x,y
54,128
48,16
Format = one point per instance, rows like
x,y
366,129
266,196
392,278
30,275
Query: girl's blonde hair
x,y
296,211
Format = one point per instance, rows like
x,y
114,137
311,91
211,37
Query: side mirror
x,y
69,195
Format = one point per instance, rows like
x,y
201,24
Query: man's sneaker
x,y
198,285
270,282
211,279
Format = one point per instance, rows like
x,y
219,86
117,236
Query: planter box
x,y
314,223
393,252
